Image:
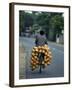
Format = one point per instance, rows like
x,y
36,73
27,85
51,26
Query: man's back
x,y
40,40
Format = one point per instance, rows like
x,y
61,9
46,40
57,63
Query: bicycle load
x,y
41,54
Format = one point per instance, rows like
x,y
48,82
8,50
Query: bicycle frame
x,y
41,58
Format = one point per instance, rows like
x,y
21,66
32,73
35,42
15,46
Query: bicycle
x,y
41,58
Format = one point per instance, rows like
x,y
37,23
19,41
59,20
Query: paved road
x,y
56,69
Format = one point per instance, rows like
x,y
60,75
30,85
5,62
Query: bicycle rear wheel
x,y
41,58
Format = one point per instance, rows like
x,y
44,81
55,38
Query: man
x,y
41,49
41,39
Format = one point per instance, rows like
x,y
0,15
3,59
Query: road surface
x,y
56,69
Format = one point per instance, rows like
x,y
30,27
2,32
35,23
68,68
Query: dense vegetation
x,y
51,23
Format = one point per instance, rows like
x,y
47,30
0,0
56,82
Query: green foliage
x,y
21,20
41,20
25,20
57,23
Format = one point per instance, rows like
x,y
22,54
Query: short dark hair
x,y
42,32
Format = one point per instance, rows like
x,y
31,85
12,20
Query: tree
x,y
25,19
21,21
57,23
51,23
28,20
